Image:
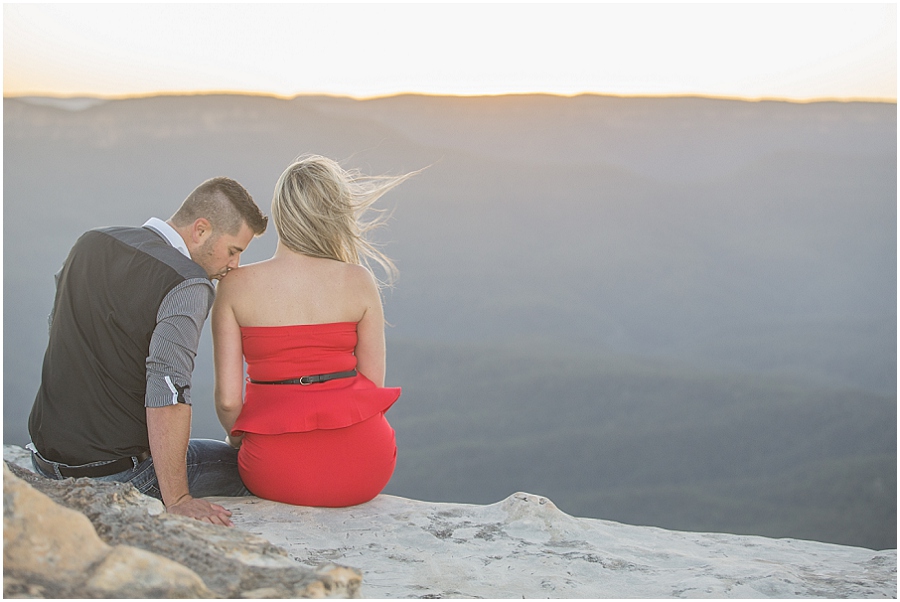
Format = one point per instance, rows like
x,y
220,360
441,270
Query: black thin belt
x,y
307,380
100,470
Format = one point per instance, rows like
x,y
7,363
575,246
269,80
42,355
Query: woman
x,y
309,322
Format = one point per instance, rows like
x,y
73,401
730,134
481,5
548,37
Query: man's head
x,y
217,221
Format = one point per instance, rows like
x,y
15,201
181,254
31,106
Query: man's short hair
x,y
225,203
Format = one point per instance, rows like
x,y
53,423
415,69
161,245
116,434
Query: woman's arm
x,y
229,361
370,348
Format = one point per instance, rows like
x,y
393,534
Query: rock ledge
x,y
523,546
85,538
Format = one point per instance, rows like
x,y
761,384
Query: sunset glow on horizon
x,y
791,52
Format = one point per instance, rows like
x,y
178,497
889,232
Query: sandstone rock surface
x,y
147,543
53,552
524,546
520,547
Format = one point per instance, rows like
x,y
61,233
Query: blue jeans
x,y
211,471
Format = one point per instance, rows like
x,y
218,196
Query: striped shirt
x,y
176,337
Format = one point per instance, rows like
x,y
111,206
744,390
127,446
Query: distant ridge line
x,y
81,102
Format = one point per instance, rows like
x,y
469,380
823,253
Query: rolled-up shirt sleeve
x,y
173,345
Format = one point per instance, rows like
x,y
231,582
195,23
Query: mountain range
x,y
667,311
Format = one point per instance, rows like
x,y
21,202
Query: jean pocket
x,y
144,479
147,484
152,490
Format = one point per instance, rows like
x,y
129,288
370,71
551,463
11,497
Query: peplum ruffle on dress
x,y
325,444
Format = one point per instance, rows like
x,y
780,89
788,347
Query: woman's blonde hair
x,y
318,209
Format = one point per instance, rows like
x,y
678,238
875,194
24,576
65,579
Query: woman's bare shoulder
x,y
360,277
238,278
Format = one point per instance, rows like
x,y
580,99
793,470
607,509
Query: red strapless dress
x,y
326,444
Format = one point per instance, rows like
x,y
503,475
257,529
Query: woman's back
x,y
293,289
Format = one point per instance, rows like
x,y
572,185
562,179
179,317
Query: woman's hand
x,y
234,442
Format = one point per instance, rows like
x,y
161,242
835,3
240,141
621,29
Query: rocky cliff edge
x,y
82,538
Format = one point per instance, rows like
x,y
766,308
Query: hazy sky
x,y
797,51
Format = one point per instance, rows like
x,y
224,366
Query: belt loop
x,y
54,465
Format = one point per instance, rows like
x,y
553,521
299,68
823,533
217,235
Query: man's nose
x,y
235,261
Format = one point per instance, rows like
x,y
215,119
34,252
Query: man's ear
x,y
201,229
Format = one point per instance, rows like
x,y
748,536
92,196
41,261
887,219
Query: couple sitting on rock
x,y
307,428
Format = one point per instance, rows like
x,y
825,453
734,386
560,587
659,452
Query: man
x,y
114,401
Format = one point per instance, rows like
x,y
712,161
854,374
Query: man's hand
x,y
201,510
169,429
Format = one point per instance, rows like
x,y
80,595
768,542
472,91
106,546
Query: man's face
x,y
219,254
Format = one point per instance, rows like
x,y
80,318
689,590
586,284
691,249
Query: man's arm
x,y
169,429
170,364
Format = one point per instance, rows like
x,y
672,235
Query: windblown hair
x,y
319,208
225,203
